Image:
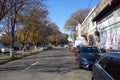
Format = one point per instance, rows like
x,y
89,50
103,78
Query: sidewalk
x,y
4,57
7,55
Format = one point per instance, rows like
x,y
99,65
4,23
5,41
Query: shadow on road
x,y
63,67
50,67
57,63
15,68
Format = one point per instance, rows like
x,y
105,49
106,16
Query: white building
x,y
87,28
108,24
80,40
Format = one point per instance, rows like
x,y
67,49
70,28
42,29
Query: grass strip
x,y
8,59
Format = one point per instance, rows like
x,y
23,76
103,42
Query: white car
x,y
65,45
5,49
44,47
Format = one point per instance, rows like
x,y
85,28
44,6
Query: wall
x,y
88,27
109,28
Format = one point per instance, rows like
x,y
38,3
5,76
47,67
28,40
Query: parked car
x,y
65,45
86,56
4,49
107,68
16,48
44,47
49,47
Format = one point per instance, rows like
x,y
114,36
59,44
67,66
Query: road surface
x,y
55,64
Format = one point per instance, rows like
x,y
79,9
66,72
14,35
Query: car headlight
x,y
84,60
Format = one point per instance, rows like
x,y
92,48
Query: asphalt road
x,y
55,64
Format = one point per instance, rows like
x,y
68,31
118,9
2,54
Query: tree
x,y
34,25
5,40
74,20
15,7
49,32
5,7
64,39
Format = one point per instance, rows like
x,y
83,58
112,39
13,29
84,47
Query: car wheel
x,y
79,64
0,51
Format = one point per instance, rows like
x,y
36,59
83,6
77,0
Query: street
x,y
55,64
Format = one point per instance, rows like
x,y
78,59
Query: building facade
x,y
80,40
108,25
88,27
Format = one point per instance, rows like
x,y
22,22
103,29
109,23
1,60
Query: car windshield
x,y
44,46
89,50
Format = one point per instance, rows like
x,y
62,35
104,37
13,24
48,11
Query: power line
x,y
89,4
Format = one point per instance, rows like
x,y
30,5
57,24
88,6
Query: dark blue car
x,y
107,68
87,56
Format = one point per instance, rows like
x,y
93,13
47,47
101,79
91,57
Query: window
x,y
113,68
89,49
103,62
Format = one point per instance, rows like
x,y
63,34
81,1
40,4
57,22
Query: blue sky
x,y
60,10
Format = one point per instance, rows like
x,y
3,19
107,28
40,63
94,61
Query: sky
x,y
61,10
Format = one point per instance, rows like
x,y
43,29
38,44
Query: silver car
x,y
5,49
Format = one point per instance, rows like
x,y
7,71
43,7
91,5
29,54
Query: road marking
x,y
31,65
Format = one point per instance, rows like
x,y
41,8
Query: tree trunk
x,y
13,22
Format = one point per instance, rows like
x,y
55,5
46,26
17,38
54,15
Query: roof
x,y
113,54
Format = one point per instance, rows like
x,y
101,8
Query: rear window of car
x,y
111,66
89,50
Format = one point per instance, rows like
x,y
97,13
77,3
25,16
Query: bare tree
x,y
75,19
5,6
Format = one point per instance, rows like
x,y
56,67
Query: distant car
x,y
44,47
107,68
65,45
16,48
49,47
4,49
87,56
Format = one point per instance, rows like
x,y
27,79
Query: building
x,y
107,20
87,28
80,40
